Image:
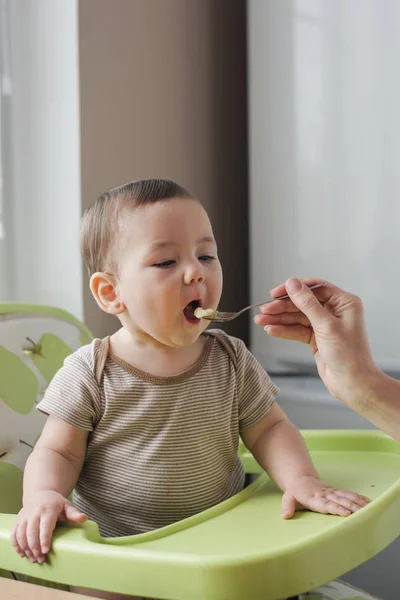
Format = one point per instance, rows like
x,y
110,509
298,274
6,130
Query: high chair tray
x,y
241,548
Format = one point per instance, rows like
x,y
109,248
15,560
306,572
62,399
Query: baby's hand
x,y
312,494
31,534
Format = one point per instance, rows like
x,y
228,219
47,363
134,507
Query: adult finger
x,y
286,318
307,302
297,333
286,305
280,290
325,293
278,306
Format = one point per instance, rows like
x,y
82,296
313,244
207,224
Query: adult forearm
x,y
377,398
48,470
282,452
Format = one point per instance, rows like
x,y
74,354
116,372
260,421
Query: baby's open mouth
x,y
188,311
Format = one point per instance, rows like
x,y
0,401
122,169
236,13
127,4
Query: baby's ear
x,y
104,290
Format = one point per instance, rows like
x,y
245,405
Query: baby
x,y
144,425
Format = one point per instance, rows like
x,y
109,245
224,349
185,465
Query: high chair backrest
x,y
34,341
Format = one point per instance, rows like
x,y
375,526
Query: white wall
x,y
5,91
45,154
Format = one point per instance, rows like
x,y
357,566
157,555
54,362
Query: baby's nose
x,y
194,274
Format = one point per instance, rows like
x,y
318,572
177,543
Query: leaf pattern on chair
x,y
11,479
18,384
49,354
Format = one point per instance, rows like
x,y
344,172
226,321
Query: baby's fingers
x,y
328,506
73,514
288,505
352,503
358,498
32,536
23,542
14,541
47,526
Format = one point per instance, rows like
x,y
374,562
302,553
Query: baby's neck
x,y
156,360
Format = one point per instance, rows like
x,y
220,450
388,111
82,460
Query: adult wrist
x,y
365,388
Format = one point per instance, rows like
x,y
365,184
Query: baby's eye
x,y
206,257
165,264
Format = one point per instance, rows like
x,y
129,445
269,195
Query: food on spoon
x,y
204,312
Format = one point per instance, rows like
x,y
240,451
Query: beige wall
x,y
163,94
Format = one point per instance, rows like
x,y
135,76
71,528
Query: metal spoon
x,y
222,317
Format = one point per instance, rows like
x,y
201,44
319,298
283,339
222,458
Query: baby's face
x,y
167,266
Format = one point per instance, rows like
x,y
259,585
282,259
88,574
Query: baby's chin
x,y
182,339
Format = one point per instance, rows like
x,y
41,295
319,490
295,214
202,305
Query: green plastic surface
x,y
25,308
241,548
18,385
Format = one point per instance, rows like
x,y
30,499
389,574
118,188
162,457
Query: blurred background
x,y
96,93
282,116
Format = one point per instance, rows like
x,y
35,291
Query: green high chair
x,y
239,550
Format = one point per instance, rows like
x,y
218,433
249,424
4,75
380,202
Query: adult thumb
x,y
73,514
304,299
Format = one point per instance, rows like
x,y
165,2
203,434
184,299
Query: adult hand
x,y
331,322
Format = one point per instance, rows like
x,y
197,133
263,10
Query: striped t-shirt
x,y
160,449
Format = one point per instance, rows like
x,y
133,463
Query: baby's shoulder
x,y
233,346
235,343
88,357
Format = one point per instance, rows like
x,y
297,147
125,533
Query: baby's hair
x,y
100,222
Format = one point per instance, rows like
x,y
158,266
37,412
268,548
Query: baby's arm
x,y
279,448
51,473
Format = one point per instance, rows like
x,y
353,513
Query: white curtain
x,y
324,159
5,94
41,207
